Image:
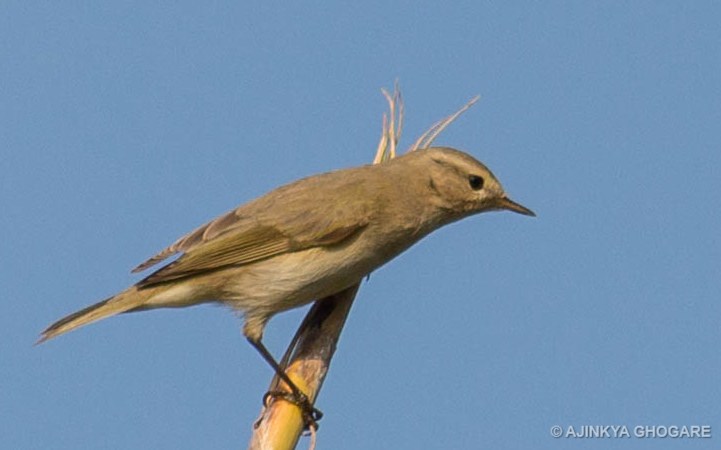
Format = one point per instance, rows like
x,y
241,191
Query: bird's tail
x,y
125,301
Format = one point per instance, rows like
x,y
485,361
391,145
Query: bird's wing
x,y
243,247
204,233
263,229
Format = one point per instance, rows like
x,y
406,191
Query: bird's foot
x,y
311,414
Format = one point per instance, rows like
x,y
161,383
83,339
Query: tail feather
x,y
125,301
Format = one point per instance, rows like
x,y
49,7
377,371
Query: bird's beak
x,y
507,203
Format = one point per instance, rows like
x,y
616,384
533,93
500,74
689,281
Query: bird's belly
x,y
294,279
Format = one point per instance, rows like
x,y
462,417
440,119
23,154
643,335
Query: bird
x,y
307,240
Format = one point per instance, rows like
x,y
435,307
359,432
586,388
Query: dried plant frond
x,y
392,128
432,133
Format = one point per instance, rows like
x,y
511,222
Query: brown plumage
x,y
308,239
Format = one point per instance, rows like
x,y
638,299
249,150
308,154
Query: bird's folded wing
x,y
319,211
204,233
245,241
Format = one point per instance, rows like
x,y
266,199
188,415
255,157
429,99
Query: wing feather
x,y
203,233
277,223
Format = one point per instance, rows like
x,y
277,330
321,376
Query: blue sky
x,y
123,126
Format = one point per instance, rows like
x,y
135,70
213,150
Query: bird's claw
x,y
311,414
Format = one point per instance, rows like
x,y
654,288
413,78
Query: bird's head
x,y
461,185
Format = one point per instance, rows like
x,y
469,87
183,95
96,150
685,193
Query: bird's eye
x,y
476,182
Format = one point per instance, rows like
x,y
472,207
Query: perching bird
x,y
308,240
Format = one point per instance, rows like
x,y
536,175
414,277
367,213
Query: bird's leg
x,y
311,414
